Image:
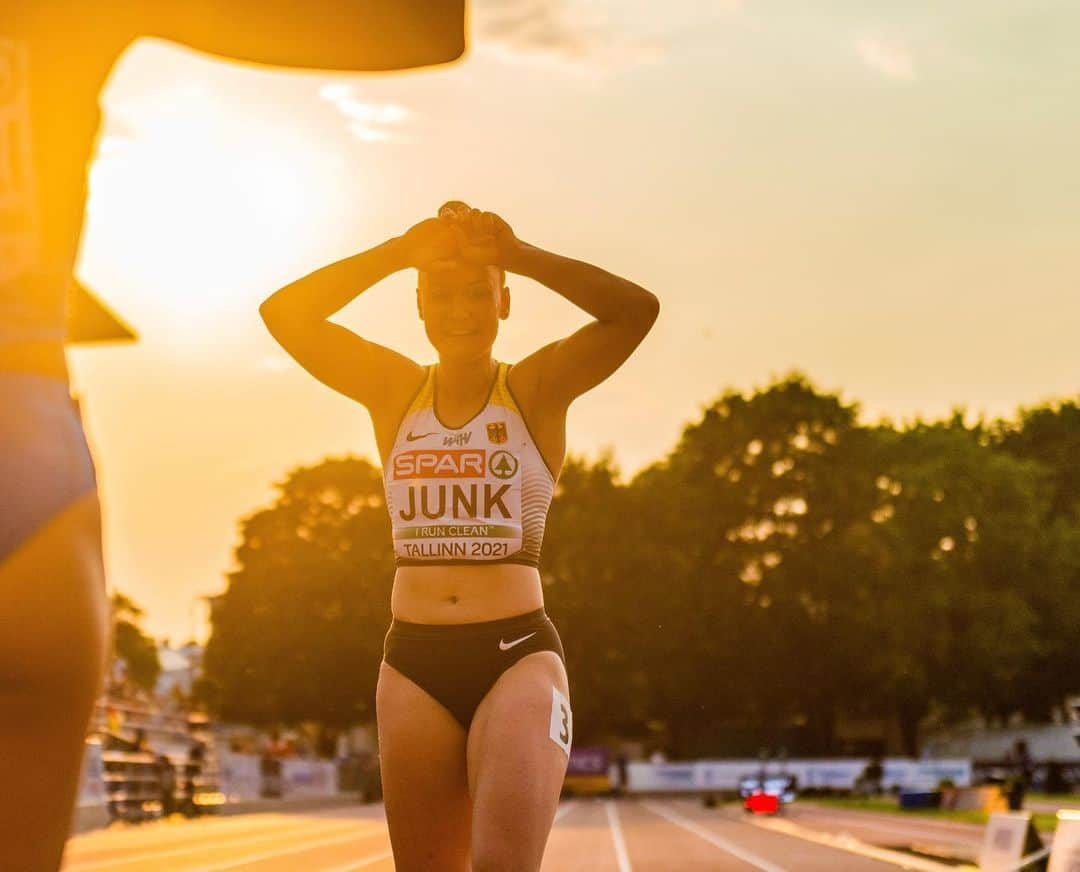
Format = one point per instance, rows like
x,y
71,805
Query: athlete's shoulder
x,y
414,390
529,381
523,377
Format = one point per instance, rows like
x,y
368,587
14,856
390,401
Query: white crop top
x,y
478,493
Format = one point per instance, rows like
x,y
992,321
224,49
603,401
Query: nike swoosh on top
x,y
411,438
506,646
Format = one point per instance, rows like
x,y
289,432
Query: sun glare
x,y
194,208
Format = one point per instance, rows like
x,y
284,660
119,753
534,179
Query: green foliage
x,y
131,645
1049,434
782,569
962,535
298,633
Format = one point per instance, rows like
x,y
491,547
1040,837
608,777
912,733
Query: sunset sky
x,y
883,196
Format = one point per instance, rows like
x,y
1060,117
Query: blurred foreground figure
x,y
54,60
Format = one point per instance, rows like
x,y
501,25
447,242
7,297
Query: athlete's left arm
x,y
360,35
624,312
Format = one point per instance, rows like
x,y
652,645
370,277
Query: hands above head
x,y
483,237
430,246
460,234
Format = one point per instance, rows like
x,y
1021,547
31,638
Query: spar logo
x,y
503,464
433,463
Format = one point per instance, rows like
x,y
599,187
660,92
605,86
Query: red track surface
x,y
625,835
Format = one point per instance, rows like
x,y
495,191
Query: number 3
x,y
561,728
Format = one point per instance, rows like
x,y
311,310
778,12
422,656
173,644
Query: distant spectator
x,y
277,745
1024,762
193,767
622,762
1055,777
269,775
869,782
113,719
167,784
1023,770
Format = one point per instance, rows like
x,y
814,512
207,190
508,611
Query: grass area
x,y
1063,798
1044,822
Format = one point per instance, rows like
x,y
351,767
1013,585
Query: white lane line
x,y
845,842
712,838
151,833
349,867
204,844
809,808
273,855
910,831
621,856
564,810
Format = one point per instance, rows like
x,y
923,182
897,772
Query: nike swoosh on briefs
x,y
506,646
410,437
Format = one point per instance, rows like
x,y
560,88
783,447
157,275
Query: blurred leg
x,y
55,615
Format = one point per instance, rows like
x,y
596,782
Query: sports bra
x,y
478,493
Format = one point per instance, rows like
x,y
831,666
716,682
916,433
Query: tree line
x,y
784,567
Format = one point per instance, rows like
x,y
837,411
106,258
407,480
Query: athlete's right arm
x,y
297,317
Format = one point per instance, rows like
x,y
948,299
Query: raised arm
x,y
296,315
356,35
565,369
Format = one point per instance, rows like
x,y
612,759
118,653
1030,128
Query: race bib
x,y
455,503
561,725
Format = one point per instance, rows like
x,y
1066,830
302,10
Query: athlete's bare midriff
x,y
463,594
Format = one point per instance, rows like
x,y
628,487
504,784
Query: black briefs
x,y
457,664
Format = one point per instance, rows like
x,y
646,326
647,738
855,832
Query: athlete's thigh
x,y
422,763
517,751
54,611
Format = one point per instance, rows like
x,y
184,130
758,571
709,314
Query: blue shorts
x,y
45,463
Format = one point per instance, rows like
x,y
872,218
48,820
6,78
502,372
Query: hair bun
x,y
454,209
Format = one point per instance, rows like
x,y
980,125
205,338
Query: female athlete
x,y
472,702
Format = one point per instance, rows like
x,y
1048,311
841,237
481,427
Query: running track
x,y
594,834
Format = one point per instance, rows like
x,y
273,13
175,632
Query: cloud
x,y
369,122
570,33
275,363
890,59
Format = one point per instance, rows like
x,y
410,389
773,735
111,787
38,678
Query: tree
x,y
756,497
298,633
596,593
954,551
781,568
1049,434
131,645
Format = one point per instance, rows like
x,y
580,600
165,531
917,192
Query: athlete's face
x,y
461,307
